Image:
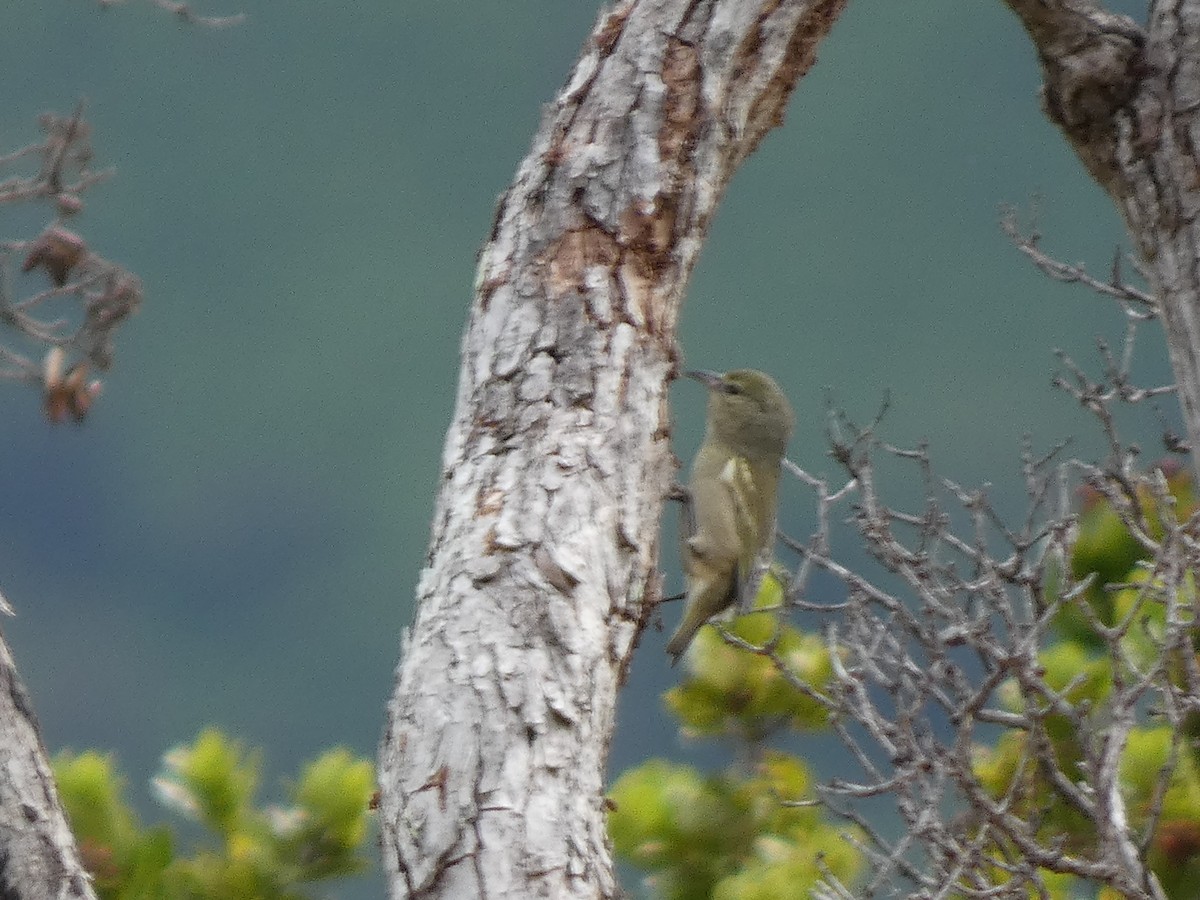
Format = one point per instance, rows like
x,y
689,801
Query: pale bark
x,y
38,858
543,564
1128,100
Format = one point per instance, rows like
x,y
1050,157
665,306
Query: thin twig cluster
x,y
59,333
940,654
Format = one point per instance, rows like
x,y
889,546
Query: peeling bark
x,y
543,562
1128,99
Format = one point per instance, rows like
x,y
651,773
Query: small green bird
x,y
729,522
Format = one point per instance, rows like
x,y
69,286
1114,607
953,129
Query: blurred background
x,y
234,535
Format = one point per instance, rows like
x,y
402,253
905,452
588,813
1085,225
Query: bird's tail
x,y
709,593
681,638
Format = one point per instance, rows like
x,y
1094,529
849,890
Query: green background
x,y
235,534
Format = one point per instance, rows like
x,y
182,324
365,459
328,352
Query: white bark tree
x,y
543,564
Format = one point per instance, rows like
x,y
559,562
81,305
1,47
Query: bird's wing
x,y
744,503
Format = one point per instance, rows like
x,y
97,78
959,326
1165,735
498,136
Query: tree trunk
x,y
1128,100
38,858
543,562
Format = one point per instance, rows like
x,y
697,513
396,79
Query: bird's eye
x,y
731,387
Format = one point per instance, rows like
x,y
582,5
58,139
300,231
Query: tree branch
x,y
1125,97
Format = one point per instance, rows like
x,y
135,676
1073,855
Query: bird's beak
x,y
711,380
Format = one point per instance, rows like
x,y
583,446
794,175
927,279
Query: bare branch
x,y
185,12
1115,287
955,647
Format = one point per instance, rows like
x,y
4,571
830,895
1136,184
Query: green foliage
x,y
737,835
251,851
729,691
126,860
726,836
1144,604
1175,848
1106,550
1005,769
1157,780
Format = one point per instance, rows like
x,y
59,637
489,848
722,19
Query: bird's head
x,y
748,411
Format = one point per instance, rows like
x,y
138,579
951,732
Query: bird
x,y
728,523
